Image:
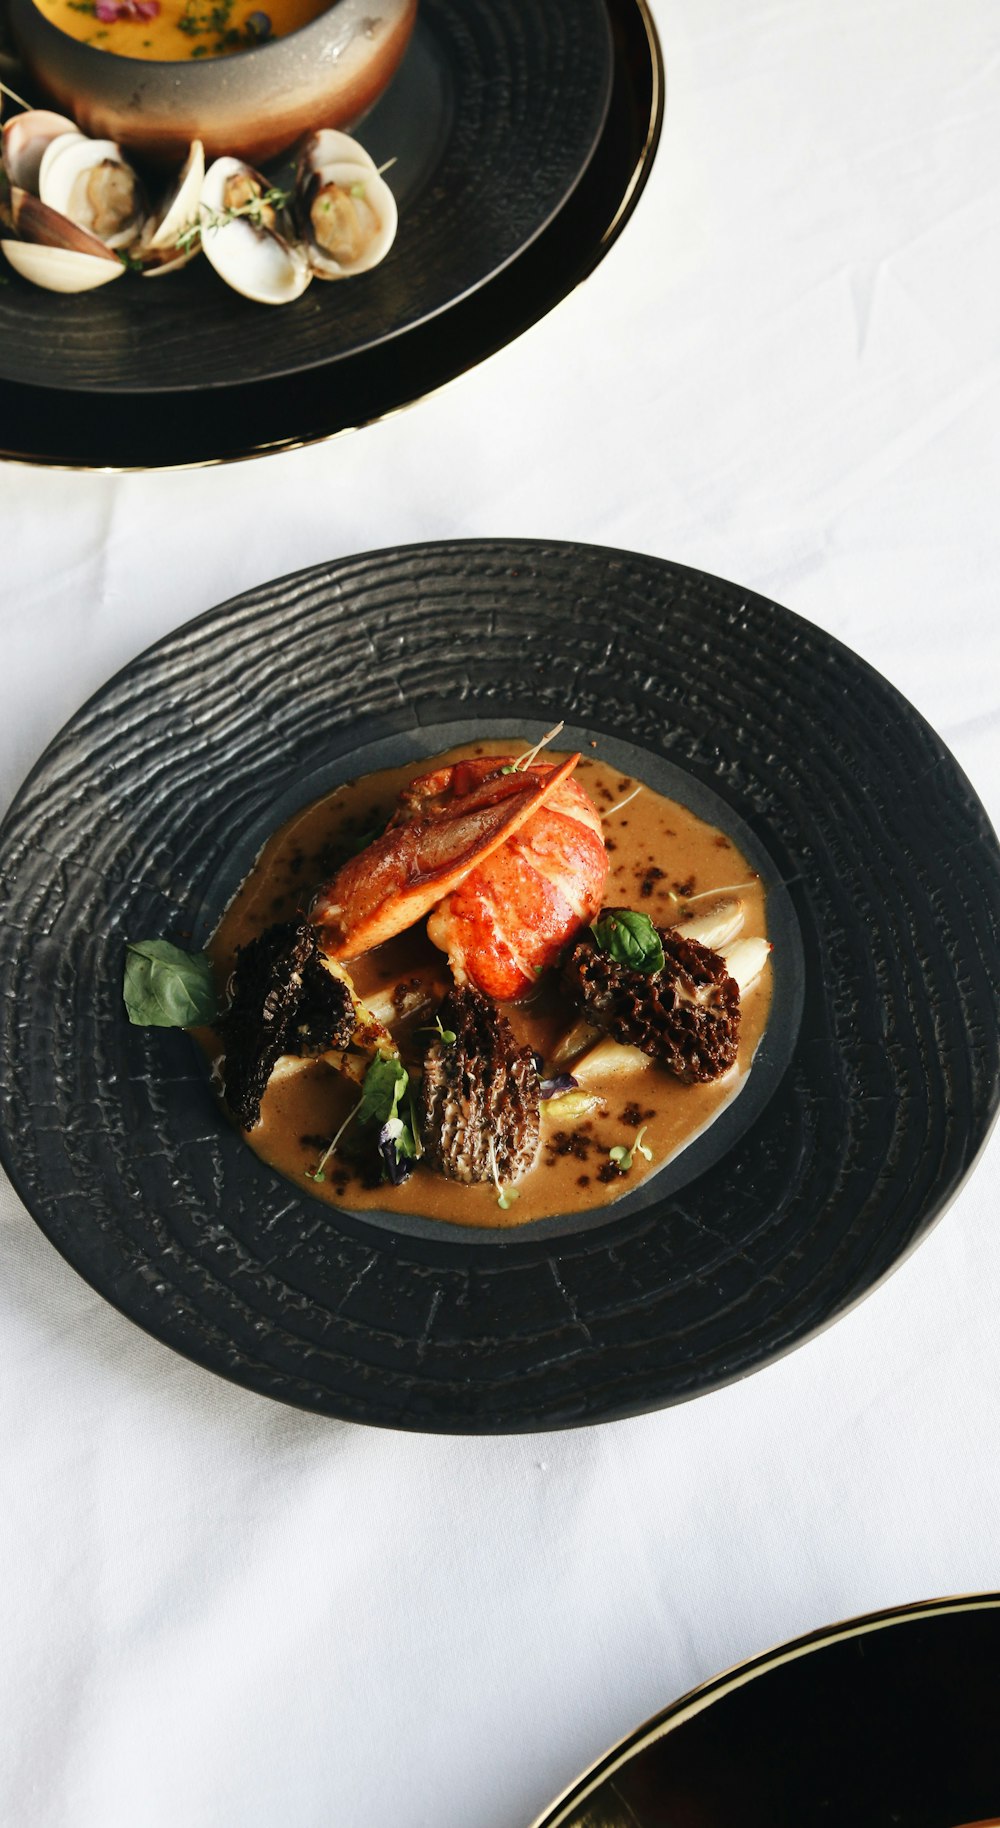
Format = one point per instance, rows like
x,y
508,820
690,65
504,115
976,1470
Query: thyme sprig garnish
x,y
251,211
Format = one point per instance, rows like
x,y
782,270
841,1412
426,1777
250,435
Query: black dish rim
x,y
52,428
951,1100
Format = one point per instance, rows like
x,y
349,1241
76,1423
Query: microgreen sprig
x,y
623,1157
521,762
319,1173
448,1035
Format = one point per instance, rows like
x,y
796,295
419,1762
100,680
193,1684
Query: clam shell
x,y
55,253
375,210
62,184
26,138
60,269
257,262
328,146
157,245
180,206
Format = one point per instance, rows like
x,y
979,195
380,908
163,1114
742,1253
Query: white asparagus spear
x,y
716,926
745,960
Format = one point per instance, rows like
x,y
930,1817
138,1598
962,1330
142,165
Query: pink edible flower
x,y
110,11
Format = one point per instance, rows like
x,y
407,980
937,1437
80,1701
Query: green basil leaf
x,y
385,1083
166,987
629,938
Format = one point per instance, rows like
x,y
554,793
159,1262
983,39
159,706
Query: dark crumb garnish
x,y
632,1116
583,1180
480,1094
570,1142
608,1172
650,878
610,845
686,887
687,1014
283,1001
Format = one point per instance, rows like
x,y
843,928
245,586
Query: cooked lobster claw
x,y
446,824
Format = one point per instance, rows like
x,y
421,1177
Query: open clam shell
x,y
349,218
166,241
250,251
328,146
26,139
53,252
92,183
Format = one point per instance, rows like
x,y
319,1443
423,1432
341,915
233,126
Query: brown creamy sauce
x,y
657,850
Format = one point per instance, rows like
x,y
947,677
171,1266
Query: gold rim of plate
x,y
563,1813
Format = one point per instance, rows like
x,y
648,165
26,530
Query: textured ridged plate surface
x,y
886,1719
127,827
124,430
491,120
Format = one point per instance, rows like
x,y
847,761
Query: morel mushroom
x,y
686,1014
284,1000
479,1098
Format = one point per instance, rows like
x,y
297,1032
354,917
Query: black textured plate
x,y
522,136
877,1087
889,1719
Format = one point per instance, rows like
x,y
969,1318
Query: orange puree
x,y
178,29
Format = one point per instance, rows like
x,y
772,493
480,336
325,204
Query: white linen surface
x,y
220,1612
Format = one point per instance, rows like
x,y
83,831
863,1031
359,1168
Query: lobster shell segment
x,y
446,823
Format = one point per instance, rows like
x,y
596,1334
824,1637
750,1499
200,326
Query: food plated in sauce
x,y
487,991
246,79
74,213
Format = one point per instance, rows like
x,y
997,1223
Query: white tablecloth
x,y
222,1613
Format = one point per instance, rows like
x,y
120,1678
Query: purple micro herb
x,y
109,12
554,1088
395,1146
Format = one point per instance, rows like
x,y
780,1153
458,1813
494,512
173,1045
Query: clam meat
x,y
94,185
245,235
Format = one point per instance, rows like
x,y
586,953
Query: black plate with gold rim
x,y
888,1719
875,1089
522,144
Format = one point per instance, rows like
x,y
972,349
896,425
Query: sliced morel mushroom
x,y
284,1000
686,1015
479,1098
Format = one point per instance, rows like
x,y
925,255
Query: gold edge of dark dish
x,y
563,1812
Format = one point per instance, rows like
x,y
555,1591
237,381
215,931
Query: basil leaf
x,y
166,987
629,938
385,1083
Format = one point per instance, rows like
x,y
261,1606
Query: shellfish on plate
x,y
508,860
77,216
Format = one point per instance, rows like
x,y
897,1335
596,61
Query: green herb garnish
x,y
251,211
448,1035
166,987
630,939
319,1172
623,1157
386,1082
